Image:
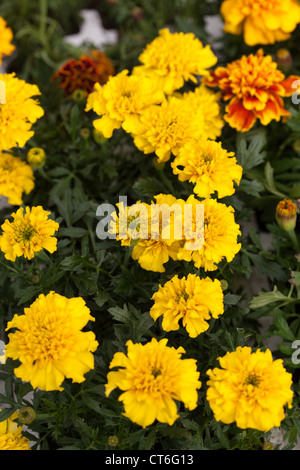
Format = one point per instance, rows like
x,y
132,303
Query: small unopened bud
x,y
79,96
159,166
85,133
99,137
36,157
35,279
224,284
284,59
267,445
113,441
240,331
26,415
286,214
137,13
296,145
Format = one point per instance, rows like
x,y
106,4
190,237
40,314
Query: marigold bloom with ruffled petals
x,y
150,229
208,166
121,101
84,73
19,112
249,389
164,240
208,101
152,377
172,59
6,36
30,231
16,178
254,87
128,221
11,437
191,300
49,341
261,21
167,127
220,234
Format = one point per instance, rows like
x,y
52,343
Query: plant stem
x,y
294,239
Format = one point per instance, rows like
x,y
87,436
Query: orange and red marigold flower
x,y
82,74
255,88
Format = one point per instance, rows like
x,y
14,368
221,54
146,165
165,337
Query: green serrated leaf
x,y
265,298
250,151
283,328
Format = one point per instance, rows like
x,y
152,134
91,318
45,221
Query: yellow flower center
x,y
25,233
156,372
182,295
253,379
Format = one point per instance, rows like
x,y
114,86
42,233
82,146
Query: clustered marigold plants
x,y
135,184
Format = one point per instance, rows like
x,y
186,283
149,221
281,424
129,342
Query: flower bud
x,y
35,279
286,214
267,445
284,60
159,166
224,284
296,145
137,13
79,96
26,415
36,157
113,441
99,137
85,133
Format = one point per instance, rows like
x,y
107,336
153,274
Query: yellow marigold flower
x,y
121,101
126,224
261,21
249,389
209,167
206,99
36,157
30,231
191,300
286,214
254,87
167,127
49,343
153,254
171,59
152,376
220,235
163,241
16,178
6,36
11,437
19,112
